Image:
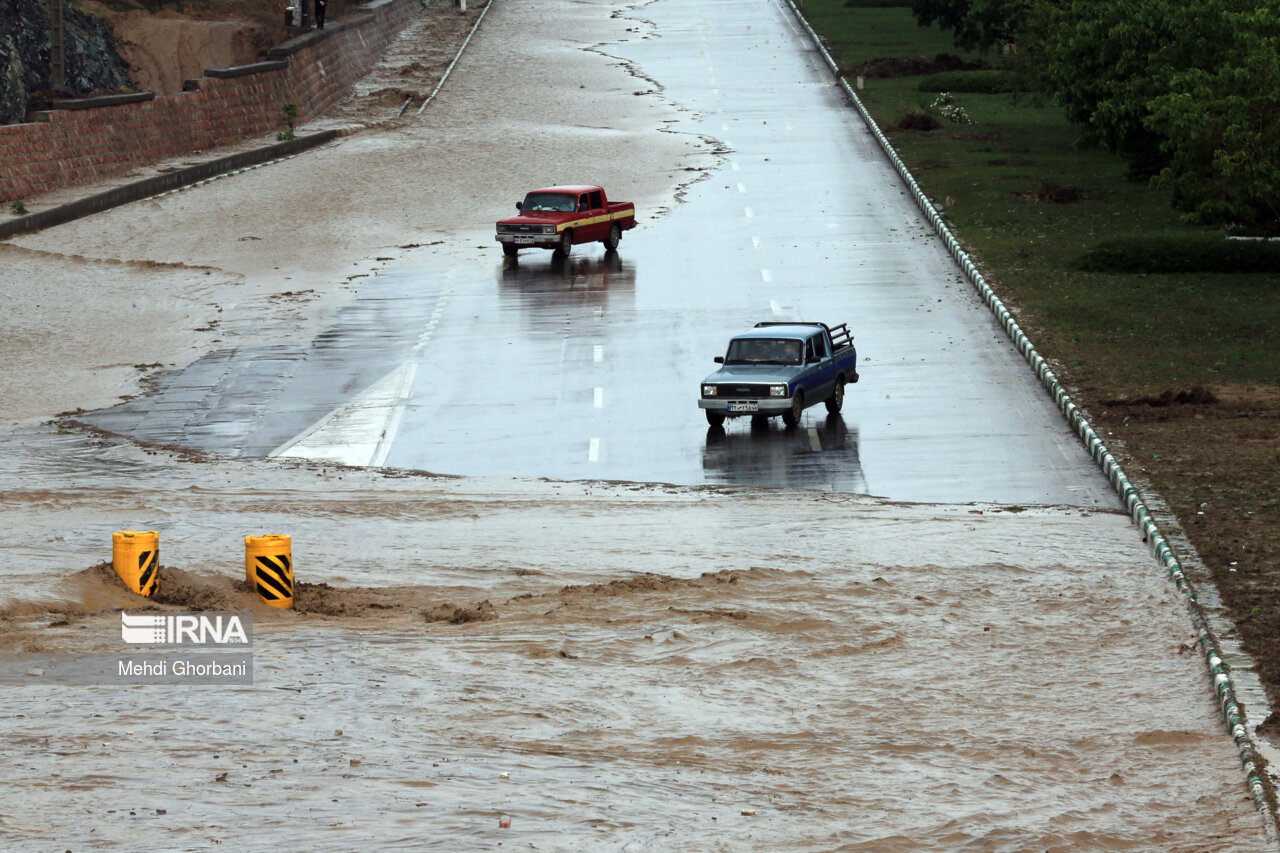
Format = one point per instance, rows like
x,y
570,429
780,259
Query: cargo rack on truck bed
x,y
840,335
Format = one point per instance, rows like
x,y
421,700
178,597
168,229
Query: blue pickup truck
x,y
781,369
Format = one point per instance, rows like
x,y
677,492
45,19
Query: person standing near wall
x,y
320,4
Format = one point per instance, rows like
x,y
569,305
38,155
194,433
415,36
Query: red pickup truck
x,y
557,218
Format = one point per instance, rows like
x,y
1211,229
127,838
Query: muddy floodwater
x,y
606,666
527,663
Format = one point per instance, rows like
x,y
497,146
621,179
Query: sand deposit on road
x,y
427,188
627,666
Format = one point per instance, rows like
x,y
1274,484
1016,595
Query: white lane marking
x,y
733,164
815,443
599,398
434,321
766,275
593,452
751,214
755,241
775,307
361,431
598,355
742,188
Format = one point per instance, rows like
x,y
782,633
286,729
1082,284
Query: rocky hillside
x,y
93,61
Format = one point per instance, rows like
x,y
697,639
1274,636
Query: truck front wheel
x,y
509,250
615,237
836,400
566,243
791,416
716,419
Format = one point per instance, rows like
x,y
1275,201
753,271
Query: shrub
x,y
289,118
988,82
950,110
1195,252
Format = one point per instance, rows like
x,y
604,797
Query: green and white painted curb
x,y
1219,671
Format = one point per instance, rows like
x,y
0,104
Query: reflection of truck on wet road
x,y
557,218
781,369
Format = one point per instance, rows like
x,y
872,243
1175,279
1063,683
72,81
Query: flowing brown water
x,y
665,668
658,662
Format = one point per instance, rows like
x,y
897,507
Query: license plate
x,y
744,407
524,240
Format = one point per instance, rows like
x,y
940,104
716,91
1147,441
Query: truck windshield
x,y
763,351
559,202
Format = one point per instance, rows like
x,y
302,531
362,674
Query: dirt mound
x,y
909,66
1197,396
646,583
322,599
482,612
100,590
917,121
1058,195
97,589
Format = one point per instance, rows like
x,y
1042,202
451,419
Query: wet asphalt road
x,y
589,367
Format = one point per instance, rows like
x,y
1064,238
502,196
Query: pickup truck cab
x,y
781,369
558,218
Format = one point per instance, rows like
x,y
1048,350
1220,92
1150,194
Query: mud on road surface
x,y
604,665
612,666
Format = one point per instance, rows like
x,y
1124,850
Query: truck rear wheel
x,y
836,400
791,416
714,418
566,242
615,237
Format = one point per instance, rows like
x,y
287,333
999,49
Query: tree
x,y
1221,125
975,24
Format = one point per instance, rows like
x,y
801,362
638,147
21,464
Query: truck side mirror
x,y
719,359
519,205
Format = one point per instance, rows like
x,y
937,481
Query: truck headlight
x,y
777,390
709,390
548,229
503,229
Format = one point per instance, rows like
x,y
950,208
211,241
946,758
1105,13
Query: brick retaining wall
x,y
65,146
